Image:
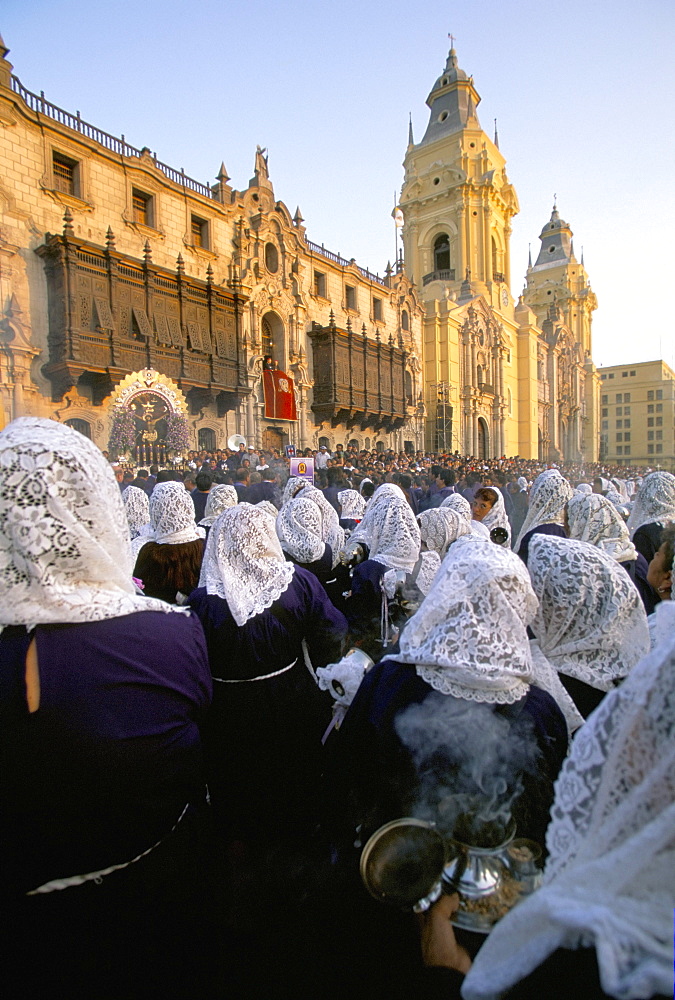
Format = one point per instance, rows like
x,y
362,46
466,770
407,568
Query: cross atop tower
x,y
452,41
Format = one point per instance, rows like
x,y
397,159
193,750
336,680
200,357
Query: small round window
x,y
271,258
443,115
551,249
437,180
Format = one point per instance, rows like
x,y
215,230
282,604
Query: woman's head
x,y
660,574
483,502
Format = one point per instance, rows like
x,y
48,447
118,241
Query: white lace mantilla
x,y
610,877
591,622
497,517
298,526
221,496
469,637
594,519
548,496
654,502
389,529
137,509
65,553
352,503
243,562
440,527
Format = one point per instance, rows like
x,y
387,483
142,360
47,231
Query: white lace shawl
x,y
497,517
268,507
655,501
362,533
137,509
172,518
583,488
298,527
469,637
594,519
591,623
221,496
243,562
352,503
459,504
331,531
65,553
610,877
440,527
431,563
394,535
293,486
548,496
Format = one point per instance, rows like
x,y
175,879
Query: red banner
x,y
279,396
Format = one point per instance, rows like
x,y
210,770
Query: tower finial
x,y
496,135
411,141
582,256
555,202
529,255
452,41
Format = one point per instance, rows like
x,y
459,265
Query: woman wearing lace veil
x,y
168,559
440,527
594,519
137,509
546,510
462,507
221,497
459,688
591,625
653,507
268,716
102,695
353,508
601,924
390,536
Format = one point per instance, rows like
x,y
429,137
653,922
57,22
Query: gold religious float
x,y
149,418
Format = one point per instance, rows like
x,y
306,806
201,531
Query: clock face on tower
x,y
505,297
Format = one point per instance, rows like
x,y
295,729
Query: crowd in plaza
x,y
218,682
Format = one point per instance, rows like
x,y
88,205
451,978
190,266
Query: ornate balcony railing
x,y
38,103
343,262
498,276
447,274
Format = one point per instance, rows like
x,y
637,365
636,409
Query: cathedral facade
x,y
113,263
502,377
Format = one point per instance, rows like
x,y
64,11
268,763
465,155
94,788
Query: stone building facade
x,y
501,377
113,262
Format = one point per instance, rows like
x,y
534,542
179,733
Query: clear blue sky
x,y
583,93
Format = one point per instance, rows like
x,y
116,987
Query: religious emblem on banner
x,y
155,410
279,395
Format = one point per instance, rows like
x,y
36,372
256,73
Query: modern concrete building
x,y
637,414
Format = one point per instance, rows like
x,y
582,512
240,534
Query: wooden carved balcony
x,y
357,380
110,315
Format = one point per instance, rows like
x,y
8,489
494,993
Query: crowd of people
x,y
217,683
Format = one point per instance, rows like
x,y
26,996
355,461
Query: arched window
x,y
271,258
267,338
206,439
379,447
405,322
354,444
442,253
409,389
82,426
479,374
323,441
366,444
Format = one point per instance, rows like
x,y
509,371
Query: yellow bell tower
x,y
456,199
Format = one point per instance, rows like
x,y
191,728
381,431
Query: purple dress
x,y
264,734
97,776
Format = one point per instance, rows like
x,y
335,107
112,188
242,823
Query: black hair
x,y
204,481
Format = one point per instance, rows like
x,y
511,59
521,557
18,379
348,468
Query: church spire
x,y
496,135
453,101
411,141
